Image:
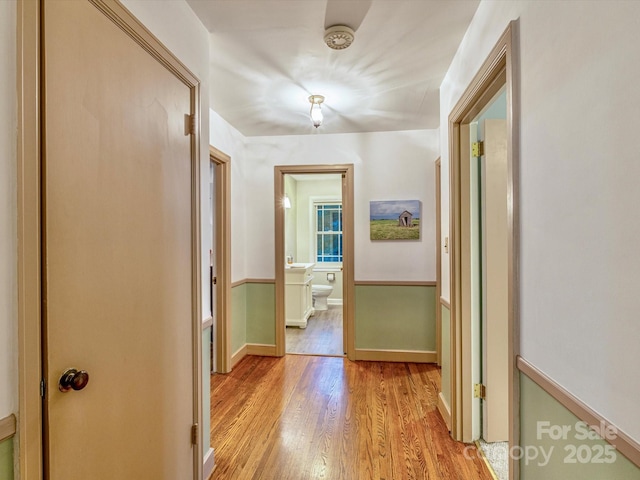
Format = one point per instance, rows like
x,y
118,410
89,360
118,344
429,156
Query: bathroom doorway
x,y
313,229
314,259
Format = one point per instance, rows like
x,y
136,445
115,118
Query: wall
x,y
393,317
231,142
578,170
306,192
8,228
291,219
388,166
565,455
6,459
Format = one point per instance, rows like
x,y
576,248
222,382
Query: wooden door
x,y
495,265
118,236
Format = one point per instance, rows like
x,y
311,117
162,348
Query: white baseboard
x,y
444,410
334,301
238,355
209,464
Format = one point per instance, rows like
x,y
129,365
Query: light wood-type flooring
x,y
313,417
323,335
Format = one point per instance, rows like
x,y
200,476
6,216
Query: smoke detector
x,y
339,37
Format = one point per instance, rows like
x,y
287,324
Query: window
x,y
328,232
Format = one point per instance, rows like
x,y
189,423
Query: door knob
x,y
73,379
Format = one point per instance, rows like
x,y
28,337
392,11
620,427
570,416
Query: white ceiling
x,y
268,56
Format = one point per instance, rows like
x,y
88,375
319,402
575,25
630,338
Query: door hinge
x,y
189,124
477,149
43,388
194,434
215,280
479,391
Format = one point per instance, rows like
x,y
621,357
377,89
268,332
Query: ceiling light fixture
x,y
339,37
316,110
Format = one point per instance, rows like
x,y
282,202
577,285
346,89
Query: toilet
x,y
320,294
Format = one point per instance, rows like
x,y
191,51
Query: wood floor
x,y
310,417
323,335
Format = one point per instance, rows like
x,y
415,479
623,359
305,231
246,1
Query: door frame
x,y
348,307
438,175
499,69
222,164
29,222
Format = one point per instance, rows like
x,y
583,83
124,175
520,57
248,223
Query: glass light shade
x,y
316,115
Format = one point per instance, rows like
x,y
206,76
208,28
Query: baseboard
x,y
261,350
7,427
238,355
413,356
621,440
209,464
334,301
444,410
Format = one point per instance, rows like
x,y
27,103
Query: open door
x,y
495,325
120,245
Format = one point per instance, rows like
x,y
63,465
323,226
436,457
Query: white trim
x,y
445,411
209,463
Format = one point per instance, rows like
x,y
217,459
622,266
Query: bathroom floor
x,y
323,335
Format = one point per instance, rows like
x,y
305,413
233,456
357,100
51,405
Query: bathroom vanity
x,y
298,302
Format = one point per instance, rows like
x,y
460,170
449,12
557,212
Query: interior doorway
x,y
220,259
297,254
497,73
313,230
489,281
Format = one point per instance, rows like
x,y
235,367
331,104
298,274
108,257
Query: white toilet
x,y
320,294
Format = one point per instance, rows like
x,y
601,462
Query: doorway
x,y
220,259
496,73
489,281
296,256
313,272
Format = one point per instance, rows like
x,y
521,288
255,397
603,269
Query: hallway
x,y
303,417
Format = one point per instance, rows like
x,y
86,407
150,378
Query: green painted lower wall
x,y
6,459
238,317
253,314
554,436
261,313
395,317
445,357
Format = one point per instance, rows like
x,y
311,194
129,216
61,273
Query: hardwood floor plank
x,y
323,335
308,417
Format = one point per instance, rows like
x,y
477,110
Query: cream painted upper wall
x,y
178,28
230,141
388,166
578,190
8,209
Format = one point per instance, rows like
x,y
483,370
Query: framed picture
x,y
394,220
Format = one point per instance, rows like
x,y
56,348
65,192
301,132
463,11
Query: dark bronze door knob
x,y
73,379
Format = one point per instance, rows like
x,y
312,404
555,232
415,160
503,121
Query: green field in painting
x,y
389,230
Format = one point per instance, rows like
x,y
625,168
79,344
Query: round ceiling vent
x,y
338,37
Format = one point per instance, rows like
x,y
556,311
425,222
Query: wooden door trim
x,y
222,163
498,70
348,249
438,170
29,219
